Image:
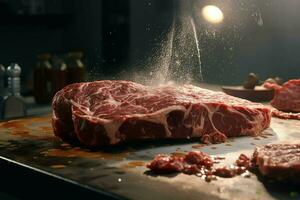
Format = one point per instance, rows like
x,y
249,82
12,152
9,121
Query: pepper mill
x,y
2,90
14,104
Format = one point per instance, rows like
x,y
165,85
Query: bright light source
x,y
212,14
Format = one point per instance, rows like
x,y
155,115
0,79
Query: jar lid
x,y
13,70
44,56
2,70
75,54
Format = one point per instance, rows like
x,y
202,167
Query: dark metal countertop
x,y
30,153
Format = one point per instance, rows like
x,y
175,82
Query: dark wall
x,y
121,35
272,49
62,26
255,36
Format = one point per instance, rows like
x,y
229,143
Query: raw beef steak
x,y
279,161
287,96
111,112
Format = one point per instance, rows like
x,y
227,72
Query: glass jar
x,y
42,79
59,74
76,68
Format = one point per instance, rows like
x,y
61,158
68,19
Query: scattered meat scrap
x,y
199,164
285,115
167,164
277,161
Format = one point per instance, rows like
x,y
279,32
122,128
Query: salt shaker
x,y
14,104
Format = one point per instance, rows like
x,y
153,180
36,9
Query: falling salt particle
x,y
119,180
188,137
260,21
149,4
197,47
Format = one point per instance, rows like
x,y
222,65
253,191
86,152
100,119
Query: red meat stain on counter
x,y
83,153
33,128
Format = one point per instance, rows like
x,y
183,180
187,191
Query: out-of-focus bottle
x,y
59,74
3,91
14,104
42,79
2,80
76,68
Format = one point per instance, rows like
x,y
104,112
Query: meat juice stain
x,y
58,166
263,136
21,127
178,154
65,145
228,144
256,138
22,123
213,147
198,146
4,143
134,164
20,133
119,172
77,152
46,128
13,124
269,134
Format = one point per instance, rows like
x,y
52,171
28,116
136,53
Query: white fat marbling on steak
x,y
112,103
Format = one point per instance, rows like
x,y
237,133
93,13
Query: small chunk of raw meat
x,y
243,161
278,161
287,96
166,164
198,163
199,158
285,115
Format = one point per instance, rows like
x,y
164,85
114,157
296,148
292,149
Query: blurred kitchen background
x,y
57,42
